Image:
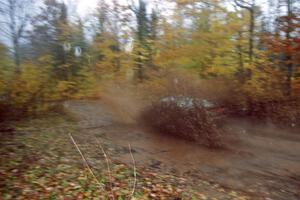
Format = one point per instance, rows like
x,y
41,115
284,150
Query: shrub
x,y
282,113
189,123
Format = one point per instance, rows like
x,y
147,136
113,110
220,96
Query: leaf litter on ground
x,y
40,162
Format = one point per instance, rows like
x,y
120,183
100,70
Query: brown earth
x,y
262,161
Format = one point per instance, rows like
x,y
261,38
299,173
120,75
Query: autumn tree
x,y
54,35
110,39
203,37
250,6
153,36
15,18
5,71
285,43
141,38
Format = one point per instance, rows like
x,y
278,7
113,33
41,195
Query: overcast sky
x,y
85,7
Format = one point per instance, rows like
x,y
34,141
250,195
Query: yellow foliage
x,y
29,87
66,89
266,81
6,70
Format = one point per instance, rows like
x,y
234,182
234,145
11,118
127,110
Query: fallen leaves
x,y
39,165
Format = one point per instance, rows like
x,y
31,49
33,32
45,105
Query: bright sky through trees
x,y
85,7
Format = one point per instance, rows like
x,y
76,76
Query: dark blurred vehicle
x,y
189,118
214,110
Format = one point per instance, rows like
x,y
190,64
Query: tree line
x,y
48,53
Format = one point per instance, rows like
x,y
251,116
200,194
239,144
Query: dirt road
x,y
264,161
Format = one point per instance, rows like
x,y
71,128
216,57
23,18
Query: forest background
x,y
242,53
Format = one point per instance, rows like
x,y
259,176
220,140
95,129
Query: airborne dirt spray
x,y
125,103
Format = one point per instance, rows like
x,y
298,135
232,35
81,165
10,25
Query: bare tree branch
x,y
108,170
251,8
132,6
86,163
134,172
243,4
17,15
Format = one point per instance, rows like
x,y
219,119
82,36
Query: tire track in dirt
x,y
263,165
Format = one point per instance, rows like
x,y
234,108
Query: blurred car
x,y
189,118
213,109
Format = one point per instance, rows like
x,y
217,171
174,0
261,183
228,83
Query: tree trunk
x,y
140,70
288,56
16,47
241,74
251,37
251,8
